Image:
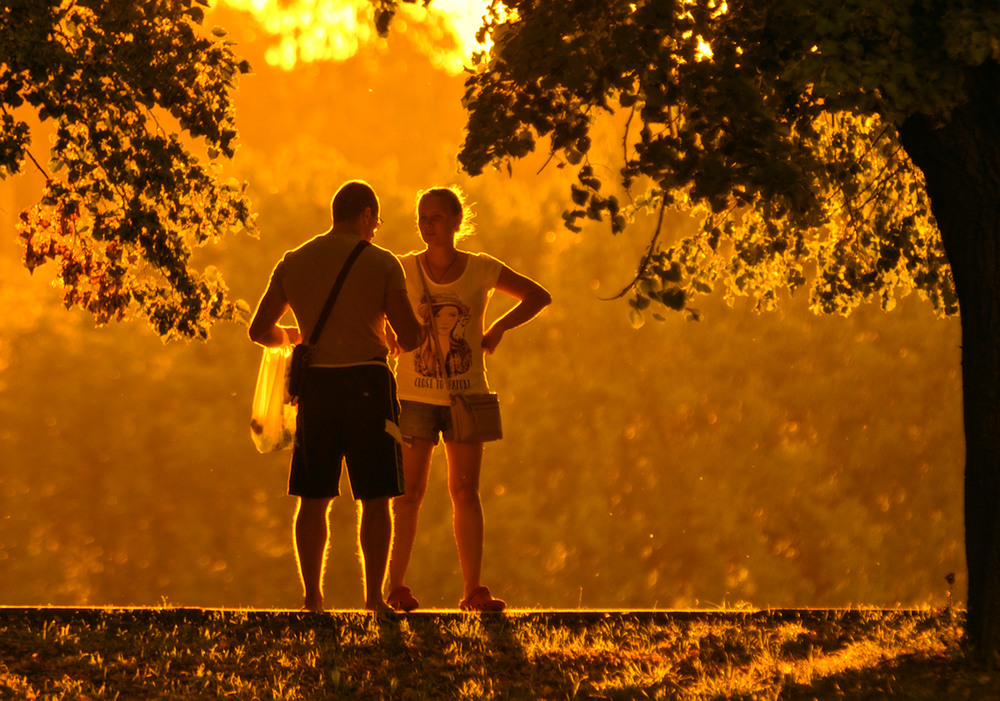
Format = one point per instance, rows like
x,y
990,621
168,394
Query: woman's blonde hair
x,y
457,203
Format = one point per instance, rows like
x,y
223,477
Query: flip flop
x,y
402,599
481,600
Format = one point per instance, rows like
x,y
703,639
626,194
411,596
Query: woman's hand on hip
x,y
491,339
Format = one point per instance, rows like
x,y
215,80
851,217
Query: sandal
x,y
402,599
481,600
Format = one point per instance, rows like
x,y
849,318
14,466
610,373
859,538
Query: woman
x,y
459,284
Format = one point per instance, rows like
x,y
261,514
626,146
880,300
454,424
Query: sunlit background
x,y
309,31
777,460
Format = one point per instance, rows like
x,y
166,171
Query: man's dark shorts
x,y
347,413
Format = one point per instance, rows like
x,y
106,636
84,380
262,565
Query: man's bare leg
x,y
312,531
376,538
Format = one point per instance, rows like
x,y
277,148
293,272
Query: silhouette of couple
x,y
425,310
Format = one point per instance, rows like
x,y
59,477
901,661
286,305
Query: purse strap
x,y
328,307
430,330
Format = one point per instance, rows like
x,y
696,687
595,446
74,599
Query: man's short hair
x,y
351,199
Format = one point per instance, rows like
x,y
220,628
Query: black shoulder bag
x,y
300,354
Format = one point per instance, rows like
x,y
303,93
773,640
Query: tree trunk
x,y
960,159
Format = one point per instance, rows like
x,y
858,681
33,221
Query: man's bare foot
x,y
313,606
380,607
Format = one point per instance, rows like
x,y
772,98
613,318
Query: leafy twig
x,y
644,264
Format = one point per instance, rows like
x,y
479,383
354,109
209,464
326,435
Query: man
x,y
348,407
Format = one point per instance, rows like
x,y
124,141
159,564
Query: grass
x,y
176,653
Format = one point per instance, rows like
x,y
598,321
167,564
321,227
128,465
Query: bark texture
x,y
960,159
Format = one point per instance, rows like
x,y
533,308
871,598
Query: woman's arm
x,y
532,298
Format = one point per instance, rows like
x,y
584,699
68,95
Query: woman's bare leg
x,y
465,462
406,508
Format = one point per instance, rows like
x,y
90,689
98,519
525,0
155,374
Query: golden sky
x,y
304,31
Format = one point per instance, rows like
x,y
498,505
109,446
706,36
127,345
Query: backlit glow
x,y
704,50
305,31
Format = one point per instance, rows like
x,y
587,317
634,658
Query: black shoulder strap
x,y
328,307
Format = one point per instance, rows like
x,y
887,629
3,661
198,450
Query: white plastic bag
x,y
272,418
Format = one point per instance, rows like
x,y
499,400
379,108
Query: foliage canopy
x,y
774,123
812,140
125,201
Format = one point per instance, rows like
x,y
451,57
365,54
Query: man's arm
x,y
404,322
264,328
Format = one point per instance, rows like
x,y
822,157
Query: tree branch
x,y
37,165
645,259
